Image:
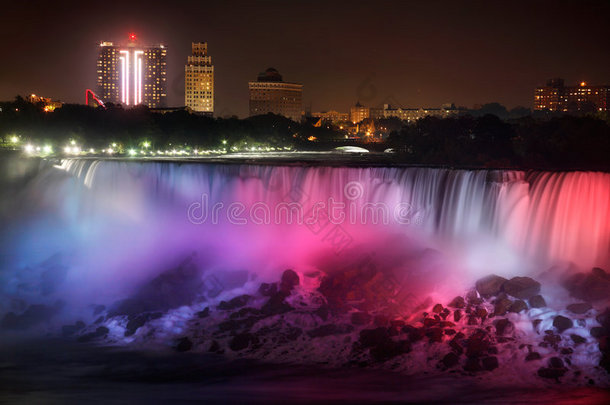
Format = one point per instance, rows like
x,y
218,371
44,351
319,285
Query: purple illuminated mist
x,y
116,224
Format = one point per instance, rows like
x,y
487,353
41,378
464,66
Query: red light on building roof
x,y
132,36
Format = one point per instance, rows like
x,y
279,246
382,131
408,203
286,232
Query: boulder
x,y
290,279
502,306
101,331
183,344
241,341
552,373
579,308
473,365
374,337
172,289
458,302
437,309
490,285
521,287
503,327
450,360
555,362
562,323
537,301
204,313
597,332
267,289
518,306
234,303
489,363
577,339
592,286
533,356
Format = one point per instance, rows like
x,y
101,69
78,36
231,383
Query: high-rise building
x,y
555,96
132,74
199,79
270,94
359,112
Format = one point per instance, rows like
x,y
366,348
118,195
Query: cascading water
x,y
118,223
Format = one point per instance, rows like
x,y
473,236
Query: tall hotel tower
x,y
199,79
132,74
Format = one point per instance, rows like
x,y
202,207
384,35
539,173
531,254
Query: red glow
x,y
132,36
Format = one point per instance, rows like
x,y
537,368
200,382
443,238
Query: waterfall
x,y
119,222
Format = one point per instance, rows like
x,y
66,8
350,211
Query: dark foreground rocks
x,y
348,321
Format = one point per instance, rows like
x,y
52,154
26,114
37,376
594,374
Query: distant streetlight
x,y
14,139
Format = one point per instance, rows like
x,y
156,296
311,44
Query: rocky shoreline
x,y
500,326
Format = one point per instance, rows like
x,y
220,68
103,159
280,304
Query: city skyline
x,y
402,54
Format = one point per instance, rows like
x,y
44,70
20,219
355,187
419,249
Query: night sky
x,y
409,53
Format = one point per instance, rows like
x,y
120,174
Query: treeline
x,y
98,127
565,142
544,142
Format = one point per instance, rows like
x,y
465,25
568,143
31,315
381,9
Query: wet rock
x,y
290,279
374,337
457,315
135,322
522,287
477,344
501,306
537,301
536,322
503,327
458,302
579,308
267,289
592,286
322,313
489,363
480,313
437,309
204,313
533,356
551,339
551,373
518,306
388,349
234,303
172,289
577,339
450,360
472,297
435,335
183,344
567,351
490,285
360,318
562,323
555,362
241,341
473,365
604,319
101,331
276,305
597,332
330,329
214,347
